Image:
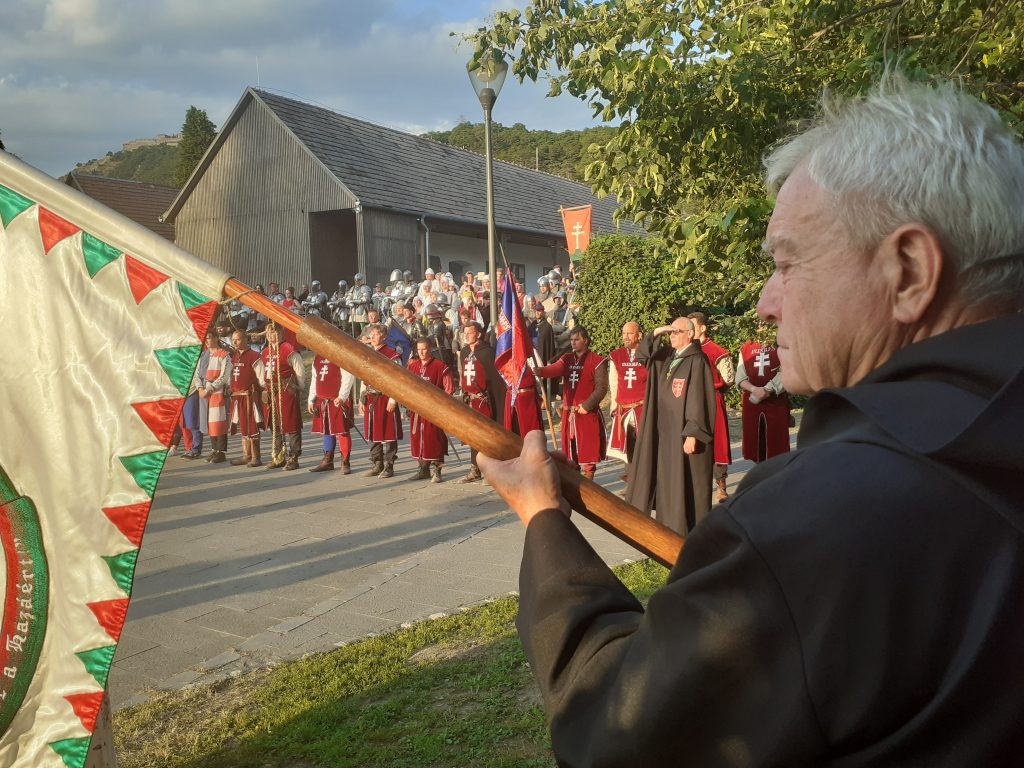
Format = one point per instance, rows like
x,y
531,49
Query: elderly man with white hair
x,y
860,600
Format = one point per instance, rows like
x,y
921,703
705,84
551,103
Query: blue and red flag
x,y
513,345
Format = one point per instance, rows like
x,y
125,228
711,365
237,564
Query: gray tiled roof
x,y
386,168
141,202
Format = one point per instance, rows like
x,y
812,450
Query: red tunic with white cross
x,y
328,418
766,422
629,396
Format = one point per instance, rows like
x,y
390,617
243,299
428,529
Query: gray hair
x,y
909,152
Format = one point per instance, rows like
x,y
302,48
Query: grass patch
x,y
455,691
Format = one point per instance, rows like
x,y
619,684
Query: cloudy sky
x,y
80,77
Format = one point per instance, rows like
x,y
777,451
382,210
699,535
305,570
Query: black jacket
x,y
859,602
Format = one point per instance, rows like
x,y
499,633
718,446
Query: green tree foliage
x,y
702,88
197,134
156,164
624,278
563,154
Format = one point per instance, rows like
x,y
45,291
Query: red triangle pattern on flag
x,y
201,317
142,278
53,229
110,614
130,520
87,707
160,416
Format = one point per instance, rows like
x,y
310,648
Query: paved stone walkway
x,y
241,568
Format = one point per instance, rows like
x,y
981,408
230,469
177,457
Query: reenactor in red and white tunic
x,y
724,374
765,402
284,377
482,387
427,442
584,384
330,403
627,380
246,409
382,422
212,389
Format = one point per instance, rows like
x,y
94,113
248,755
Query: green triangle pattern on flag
x,y
72,751
97,253
191,299
122,568
11,204
97,662
145,469
179,363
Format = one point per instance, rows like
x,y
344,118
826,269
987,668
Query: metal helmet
x,y
432,310
396,275
555,276
315,285
342,285
235,305
543,281
407,275
559,295
360,278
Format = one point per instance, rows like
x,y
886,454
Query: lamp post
x,y
487,74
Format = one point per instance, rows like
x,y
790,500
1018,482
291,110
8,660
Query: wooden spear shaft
x,y
472,428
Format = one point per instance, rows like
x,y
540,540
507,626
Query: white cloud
x,y
80,77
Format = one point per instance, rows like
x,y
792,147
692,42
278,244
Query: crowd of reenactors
x,y
252,379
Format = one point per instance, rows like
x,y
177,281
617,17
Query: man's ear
x,y
911,260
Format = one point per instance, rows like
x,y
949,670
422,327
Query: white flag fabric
x,y
101,325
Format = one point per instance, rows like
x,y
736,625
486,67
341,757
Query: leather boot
x,y
217,457
326,463
277,460
472,476
721,494
292,463
388,471
422,473
435,473
246,453
588,473
346,468
375,470
257,459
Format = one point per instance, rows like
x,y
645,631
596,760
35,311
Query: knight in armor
x,y
765,407
439,334
403,330
274,293
284,377
378,298
544,295
562,322
627,380
316,301
359,301
338,306
584,384
427,442
394,293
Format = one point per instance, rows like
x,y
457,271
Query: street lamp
x,y
487,74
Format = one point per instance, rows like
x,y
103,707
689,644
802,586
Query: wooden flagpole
x,y
586,497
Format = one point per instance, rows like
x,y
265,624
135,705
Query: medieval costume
x,y
855,603
427,442
765,422
212,386
381,428
522,405
584,383
723,375
246,406
330,402
482,389
627,379
679,403
284,378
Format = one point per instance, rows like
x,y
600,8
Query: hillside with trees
x,y
564,153
155,164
